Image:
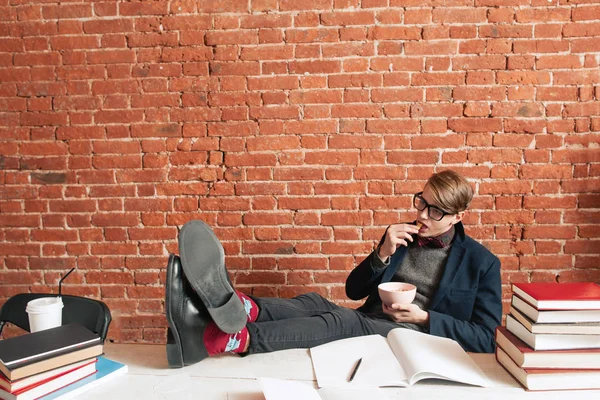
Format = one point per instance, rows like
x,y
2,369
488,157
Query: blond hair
x,y
451,191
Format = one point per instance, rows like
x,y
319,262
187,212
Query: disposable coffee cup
x,y
44,313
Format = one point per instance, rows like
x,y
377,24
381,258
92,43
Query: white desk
x,y
230,377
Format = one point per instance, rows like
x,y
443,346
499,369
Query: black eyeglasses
x,y
433,212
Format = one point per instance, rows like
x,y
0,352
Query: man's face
x,y
430,226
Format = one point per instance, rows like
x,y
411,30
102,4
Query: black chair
x,y
93,314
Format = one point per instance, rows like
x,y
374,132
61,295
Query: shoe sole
x,y
203,262
174,348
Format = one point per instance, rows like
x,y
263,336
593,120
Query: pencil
x,y
355,369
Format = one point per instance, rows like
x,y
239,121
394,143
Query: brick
x,y
496,156
394,33
558,62
575,156
475,125
417,16
503,14
356,111
542,15
311,35
479,62
579,30
347,18
585,13
348,50
576,77
472,47
542,262
506,31
449,15
546,171
108,26
438,79
396,95
439,94
556,94
264,21
294,5
486,93
315,96
548,31
438,47
139,8
437,63
436,110
541,46
582,109
527,110
506,187
315,67
523,77
476,109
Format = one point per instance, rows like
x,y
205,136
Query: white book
x,y
281,389
402,359
556,316
543,341
580,328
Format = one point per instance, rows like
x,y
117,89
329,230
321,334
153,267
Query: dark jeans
x,y
307,321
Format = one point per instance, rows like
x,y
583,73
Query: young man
x,y
458,289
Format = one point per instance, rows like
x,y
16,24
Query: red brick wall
x,y
298,129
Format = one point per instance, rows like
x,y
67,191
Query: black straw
x,y
62,279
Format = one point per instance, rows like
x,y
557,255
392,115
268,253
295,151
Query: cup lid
x,y
44,303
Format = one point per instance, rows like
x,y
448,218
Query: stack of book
x,y
55,363
552,336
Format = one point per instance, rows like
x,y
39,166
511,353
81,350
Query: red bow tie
x,y
430,242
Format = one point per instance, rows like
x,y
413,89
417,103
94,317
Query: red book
x,y
560,296
50,385
525,357
549,379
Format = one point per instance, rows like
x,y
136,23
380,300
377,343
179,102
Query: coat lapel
x,y
455,257
395,262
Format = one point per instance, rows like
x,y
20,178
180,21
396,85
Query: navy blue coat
x,y
467,305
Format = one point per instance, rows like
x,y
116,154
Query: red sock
x,y
216,341
249,305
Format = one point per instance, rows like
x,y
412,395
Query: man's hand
x,y
396,235
411,313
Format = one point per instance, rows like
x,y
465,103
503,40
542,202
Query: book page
x,y
333,363
426,356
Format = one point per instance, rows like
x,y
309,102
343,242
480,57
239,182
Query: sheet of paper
x,y
331,393
428,356
281,389
333,363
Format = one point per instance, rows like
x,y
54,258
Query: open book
x,y
402,359
280,389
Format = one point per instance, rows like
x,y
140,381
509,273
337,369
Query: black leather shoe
x,y
203,262
187,318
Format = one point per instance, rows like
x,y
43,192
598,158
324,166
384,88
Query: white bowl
x,y
397,292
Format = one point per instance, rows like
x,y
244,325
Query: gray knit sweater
x,y
423,267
